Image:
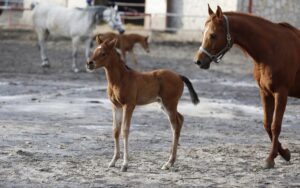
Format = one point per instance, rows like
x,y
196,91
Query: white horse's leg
x,y
41,34
88,47
75,42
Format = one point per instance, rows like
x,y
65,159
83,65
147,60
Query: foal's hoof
x,y
286,154
111,165
166,166
124,168
269,164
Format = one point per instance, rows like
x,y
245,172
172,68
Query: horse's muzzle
x,y
90,66
202,65
121,31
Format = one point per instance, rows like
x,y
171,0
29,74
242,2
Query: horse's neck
x,y
115,71
252,34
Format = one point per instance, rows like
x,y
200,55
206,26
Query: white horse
x,y
75,23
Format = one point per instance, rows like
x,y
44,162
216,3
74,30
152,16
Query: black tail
x,y
192,91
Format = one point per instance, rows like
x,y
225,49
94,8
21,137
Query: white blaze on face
x,y
204,35
98,48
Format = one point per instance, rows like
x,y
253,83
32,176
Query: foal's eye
x,y
213,36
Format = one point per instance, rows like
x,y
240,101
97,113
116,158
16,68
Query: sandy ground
x,y
55,126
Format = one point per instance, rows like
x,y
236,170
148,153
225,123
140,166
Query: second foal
x,y
128,88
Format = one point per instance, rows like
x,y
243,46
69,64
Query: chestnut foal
x,y
126,42
128,88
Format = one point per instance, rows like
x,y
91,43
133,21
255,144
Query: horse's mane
x,y
119,56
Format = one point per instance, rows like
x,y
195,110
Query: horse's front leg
x,y
127,114
117,121
88,45
133,57
280,100
268,101
75,42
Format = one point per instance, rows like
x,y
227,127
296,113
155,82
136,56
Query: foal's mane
x,y
120,59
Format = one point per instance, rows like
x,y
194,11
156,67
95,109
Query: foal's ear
x,y
99,39
219,12
112,43
210,12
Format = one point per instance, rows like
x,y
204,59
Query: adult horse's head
x,y
216,39
112,16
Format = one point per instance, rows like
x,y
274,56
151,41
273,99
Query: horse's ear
x,y
210,12
99,39
116,7
112,43
219,12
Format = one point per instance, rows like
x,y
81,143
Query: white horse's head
x,y
113,18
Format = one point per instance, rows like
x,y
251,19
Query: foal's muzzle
x,y
90,65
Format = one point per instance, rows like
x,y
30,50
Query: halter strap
x,y
217,57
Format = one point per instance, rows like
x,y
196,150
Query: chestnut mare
x,y
275,50
126,42
128,88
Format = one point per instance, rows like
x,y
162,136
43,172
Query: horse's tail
x,y
193,94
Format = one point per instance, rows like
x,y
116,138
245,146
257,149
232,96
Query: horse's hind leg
x,y
117,121
42,34
176,120
75,42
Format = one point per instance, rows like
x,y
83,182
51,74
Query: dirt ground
x,y
55,125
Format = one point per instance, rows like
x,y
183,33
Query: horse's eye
x,y
213,36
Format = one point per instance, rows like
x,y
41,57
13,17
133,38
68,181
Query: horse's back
x,y
60,20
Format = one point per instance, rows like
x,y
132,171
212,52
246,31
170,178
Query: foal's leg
x,y
267,101
133,56
127,114
75,42
176,120
117,121
41,34
280,104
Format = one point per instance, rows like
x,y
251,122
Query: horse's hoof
x,y
46,65
269,164
124,168
111,165
166,166
286,154
76,70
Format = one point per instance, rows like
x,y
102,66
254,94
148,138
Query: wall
x,y
157,9
275,10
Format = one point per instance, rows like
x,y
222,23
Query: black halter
x,y
217,57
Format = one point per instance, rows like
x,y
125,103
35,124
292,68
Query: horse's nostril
x,y
198,62
90,63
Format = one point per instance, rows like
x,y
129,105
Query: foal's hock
x,y
127,88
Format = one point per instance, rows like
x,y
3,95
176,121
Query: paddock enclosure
x,y
56,125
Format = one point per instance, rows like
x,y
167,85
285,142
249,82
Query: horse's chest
x,y
264,77
116,97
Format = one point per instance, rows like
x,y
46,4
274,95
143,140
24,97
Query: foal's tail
x,y
192,91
